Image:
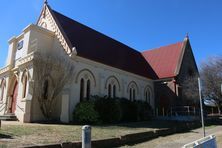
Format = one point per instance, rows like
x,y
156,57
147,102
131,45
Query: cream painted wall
x,y
18,61
101,73
36,38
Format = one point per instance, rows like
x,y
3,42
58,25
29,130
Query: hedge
x,y
85,113
111,110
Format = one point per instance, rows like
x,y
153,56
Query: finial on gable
x,y
187,36
45,2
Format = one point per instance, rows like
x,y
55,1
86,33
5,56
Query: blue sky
x,y
141,24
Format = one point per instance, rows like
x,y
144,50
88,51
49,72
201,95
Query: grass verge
x,y
34,134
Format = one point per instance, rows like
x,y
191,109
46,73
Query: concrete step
x,y
8,117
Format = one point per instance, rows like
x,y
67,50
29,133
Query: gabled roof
x,y
165,60
95,46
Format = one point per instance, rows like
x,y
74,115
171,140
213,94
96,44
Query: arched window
x,y
25,81
114,91
113,86
88,90
2,89
87,80
130,94
81,89
109,90
84,90
132,89
134,94
147,94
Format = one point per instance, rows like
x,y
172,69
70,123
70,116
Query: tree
x,y
211,76
190,88
52,71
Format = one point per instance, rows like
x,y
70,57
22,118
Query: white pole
x,y
201,107
86,136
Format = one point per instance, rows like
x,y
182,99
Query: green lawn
x,y
32,134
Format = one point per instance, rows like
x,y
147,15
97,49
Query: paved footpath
x,y
180,139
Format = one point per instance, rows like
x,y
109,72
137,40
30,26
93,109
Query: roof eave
x,y
177,70
60,28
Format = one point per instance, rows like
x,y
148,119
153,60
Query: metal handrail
x,y
179,110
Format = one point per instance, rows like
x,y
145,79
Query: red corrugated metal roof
x,y
164,60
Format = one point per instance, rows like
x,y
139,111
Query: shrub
x,y
109,109
144,111
129,110
85,113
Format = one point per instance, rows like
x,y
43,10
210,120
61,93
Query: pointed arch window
x,y
134,94
133,90
85,89
147,94
88,90
2,89
109,90
25,81
86,80
130,94
113,86
81,89
114,91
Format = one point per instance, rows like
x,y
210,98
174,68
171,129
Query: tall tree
x,y
211,76
53,69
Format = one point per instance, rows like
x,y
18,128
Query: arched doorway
x,y
14,98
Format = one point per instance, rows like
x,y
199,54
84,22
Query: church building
x,y
102,66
